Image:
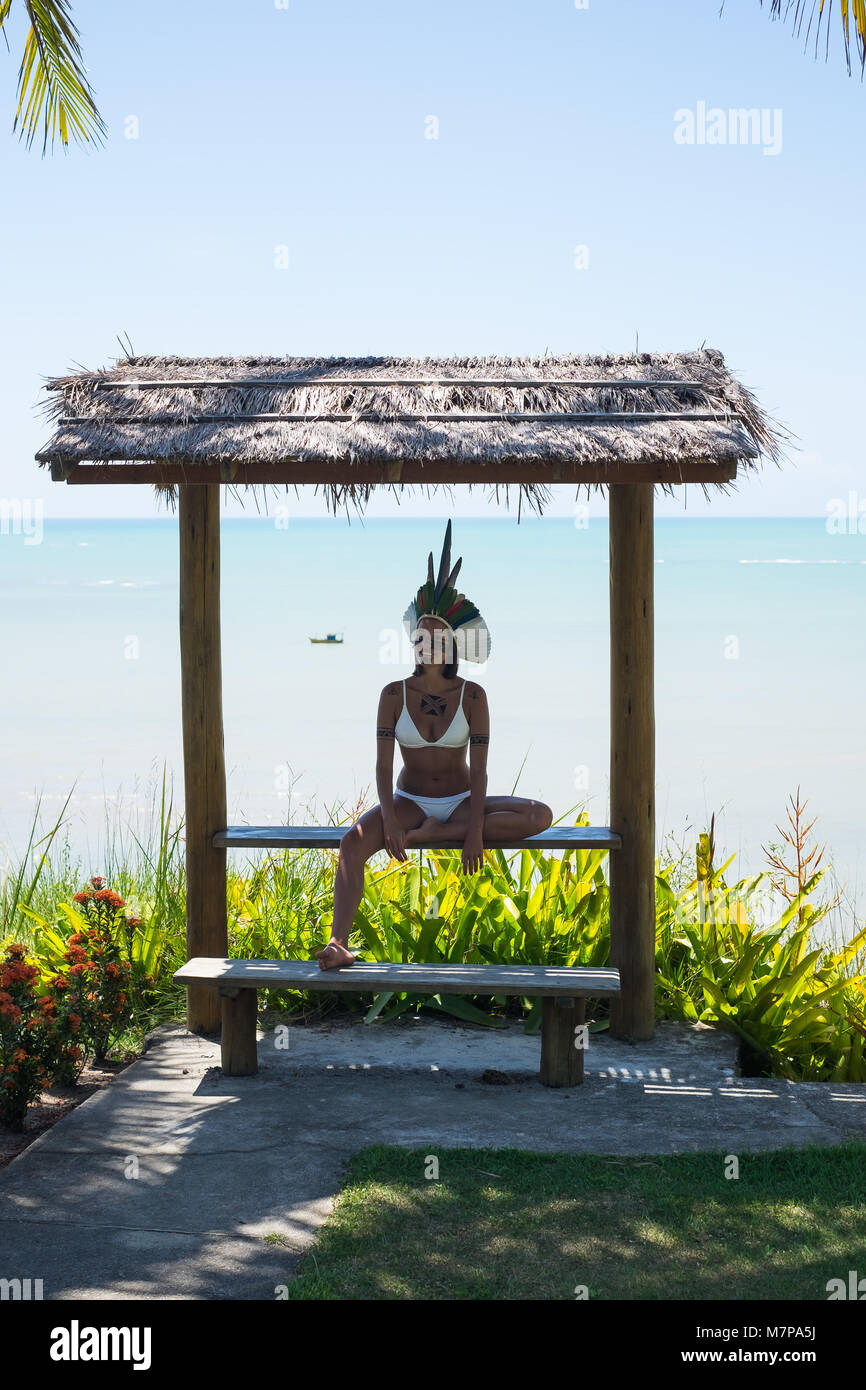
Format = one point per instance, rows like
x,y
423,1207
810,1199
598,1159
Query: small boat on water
x,y
332,639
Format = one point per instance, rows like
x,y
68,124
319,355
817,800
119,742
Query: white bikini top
x,y
455,736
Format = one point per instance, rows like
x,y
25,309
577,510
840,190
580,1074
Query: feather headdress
x,y
438,598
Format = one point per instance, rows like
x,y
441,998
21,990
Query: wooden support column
x,y
561,1050
238,1052
632,759
203,755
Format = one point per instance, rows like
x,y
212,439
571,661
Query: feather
x,y
445,561
464,613
446,600
475,639
449,582
430,568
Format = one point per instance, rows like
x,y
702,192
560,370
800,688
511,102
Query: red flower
x,y
17,973
97,881
82,897
108,895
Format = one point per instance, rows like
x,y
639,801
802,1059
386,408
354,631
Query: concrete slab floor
x,y
167,1183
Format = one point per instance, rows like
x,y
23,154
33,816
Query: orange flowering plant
x,y
99,974
31,1036
94,981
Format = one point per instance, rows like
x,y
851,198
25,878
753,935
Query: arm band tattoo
x,y
479,738
384,733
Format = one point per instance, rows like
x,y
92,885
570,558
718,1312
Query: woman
x,y
434,715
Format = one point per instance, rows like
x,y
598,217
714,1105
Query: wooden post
x,y
203,755
238,1053
632,759
561,1058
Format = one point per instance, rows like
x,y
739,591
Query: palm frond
x,y
816,12
53,91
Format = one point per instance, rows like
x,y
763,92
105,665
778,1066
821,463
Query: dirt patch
x,y
54,1103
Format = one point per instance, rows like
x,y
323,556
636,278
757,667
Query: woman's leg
x,y
365,838
506,818
514,817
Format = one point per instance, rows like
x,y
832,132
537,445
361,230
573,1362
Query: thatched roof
x,y
351,424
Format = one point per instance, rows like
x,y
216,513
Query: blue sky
x,y
305,127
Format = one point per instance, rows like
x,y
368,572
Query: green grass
x,y
646,1228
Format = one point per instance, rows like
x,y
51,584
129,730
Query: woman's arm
x,y
479,739
385,739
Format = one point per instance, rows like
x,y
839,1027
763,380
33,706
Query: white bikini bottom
x,y
440,807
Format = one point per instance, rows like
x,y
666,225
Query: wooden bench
x,y
562,991
330,836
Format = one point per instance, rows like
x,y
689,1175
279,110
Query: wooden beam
x,y
413,471
512,417
203,752
632,760
289,383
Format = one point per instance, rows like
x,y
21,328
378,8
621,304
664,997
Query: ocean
x,y
760,662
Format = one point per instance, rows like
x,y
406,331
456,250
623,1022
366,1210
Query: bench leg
x,y
561,1061
238,1045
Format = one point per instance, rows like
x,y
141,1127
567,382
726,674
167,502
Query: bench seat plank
x,y
330,836
421,978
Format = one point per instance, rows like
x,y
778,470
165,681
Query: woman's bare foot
x,y
419,833
332,955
